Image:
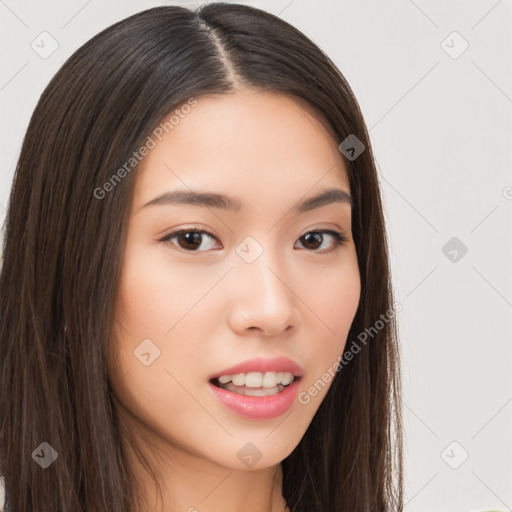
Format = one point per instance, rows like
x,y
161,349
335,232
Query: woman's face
x,y
263,280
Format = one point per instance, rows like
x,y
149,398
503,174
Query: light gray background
x,y
441,129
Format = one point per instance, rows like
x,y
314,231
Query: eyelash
x,y
339,238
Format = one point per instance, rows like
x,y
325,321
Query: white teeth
x,y
269,380
258,379
238,380
253,392
253,380
286,379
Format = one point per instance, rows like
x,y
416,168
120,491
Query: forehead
x,y
243,143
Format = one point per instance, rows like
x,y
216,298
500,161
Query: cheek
x,y
154,294
157,313
331,295
162,300
333,303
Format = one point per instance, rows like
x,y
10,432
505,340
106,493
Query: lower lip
x,y
258,407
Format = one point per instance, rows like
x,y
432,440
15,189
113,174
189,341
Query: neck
x,y
192,483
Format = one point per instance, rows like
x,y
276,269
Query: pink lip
x,y
258,407
276,364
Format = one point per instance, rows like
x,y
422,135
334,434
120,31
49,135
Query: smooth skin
x,y
206,308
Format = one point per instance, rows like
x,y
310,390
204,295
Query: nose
x,y
263,298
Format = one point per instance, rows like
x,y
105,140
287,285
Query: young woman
x,y
196,309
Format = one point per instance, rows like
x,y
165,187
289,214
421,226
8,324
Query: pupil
x,y
192,238
308,237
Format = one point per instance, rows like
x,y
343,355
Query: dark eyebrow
x,y
207,199
212,200
332,195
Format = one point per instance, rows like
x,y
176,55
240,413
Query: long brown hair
x,y
63,251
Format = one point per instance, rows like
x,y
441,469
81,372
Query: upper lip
x,y
260,364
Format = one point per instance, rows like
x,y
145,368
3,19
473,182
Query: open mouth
x,y
271,386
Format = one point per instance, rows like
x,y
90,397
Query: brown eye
x,y
188,239
314,239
